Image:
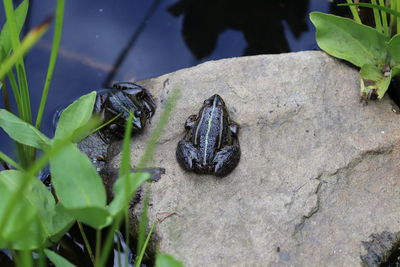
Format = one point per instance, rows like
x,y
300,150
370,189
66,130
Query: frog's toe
x,y
226,160
186,153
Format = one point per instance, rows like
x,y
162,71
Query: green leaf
x,y
374,78
75,116
393,48
57,260
165,260
96,217
135,180
343,38
61,222
53,221
78,185
5,41
22,132
23,228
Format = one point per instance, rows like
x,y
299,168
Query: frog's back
x,y
207,133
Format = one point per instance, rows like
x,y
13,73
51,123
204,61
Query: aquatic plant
x,y
376,51
31,217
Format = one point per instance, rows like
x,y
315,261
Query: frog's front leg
x,y
186,154
234,127
226,160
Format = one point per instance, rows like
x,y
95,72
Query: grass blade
x,y
143,225
57,260
354,12
86,242
384,19
31,38
398,17
165,260
390,11
10,161
377,17
20,66
53,58
146,242
157,132
5,38
124,170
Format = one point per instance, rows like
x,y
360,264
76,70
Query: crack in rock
x,y
345,169
312,211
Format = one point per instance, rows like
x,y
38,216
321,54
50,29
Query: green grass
x,y
53,58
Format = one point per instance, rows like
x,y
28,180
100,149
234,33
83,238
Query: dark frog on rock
x,y
123,98
211,144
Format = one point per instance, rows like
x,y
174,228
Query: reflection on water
x,y
260,22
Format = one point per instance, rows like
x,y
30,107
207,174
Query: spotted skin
x,y
211,144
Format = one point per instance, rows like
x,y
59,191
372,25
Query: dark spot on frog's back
x,y
211,144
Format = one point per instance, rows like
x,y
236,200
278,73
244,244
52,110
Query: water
x,y
95,33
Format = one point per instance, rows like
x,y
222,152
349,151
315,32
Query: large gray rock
x,y
319,172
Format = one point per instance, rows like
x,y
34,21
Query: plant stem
x,y
392,18
86,241
377,17
119,252
26,258
42,258
53,59
127,235
10,161
6,96
398,19
140,257
98,244
15,90
354,12
108,242
384,19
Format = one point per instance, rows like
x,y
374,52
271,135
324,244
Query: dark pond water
x,y
158,37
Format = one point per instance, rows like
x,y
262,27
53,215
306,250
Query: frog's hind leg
x,y
226,160
186,155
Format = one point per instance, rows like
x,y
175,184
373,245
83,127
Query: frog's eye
x,y
137,113
207,102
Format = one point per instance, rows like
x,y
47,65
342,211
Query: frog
x,y
120,100
211,144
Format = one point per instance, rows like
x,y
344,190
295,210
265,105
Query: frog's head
x,y
214,100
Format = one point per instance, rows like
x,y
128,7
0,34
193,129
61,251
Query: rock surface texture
x,y
319,172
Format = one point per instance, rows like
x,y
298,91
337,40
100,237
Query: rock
x,y
319,172
381,248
